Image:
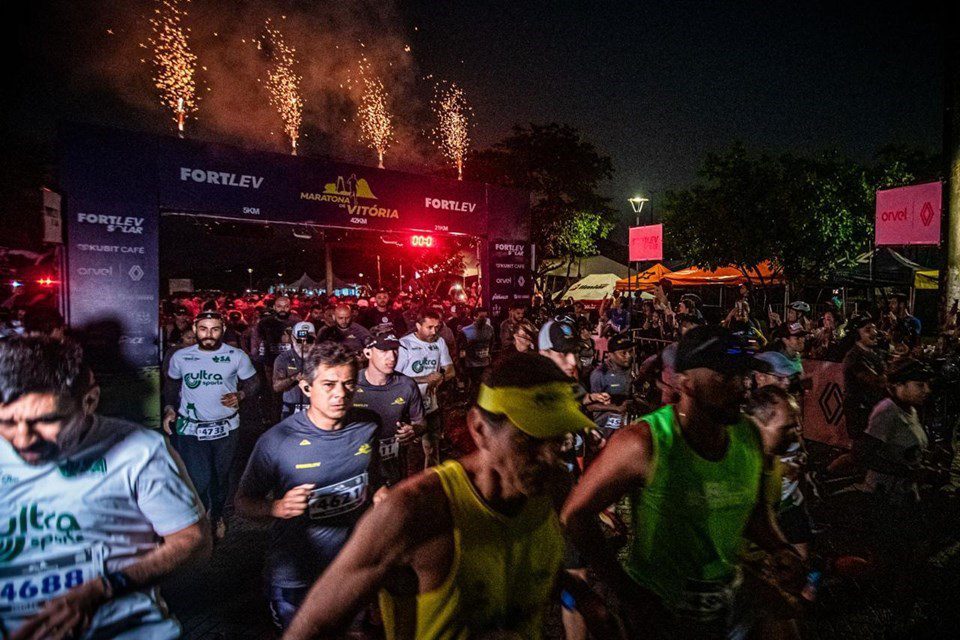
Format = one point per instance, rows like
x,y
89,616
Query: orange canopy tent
x,y
643,281
694,276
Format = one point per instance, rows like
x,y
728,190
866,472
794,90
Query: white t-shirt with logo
x,y
418,358
207,376
62,526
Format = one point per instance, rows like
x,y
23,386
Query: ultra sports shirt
x,y
418,358
207,376
80,519
344,467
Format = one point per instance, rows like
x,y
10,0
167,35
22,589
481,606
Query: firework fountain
x,y
284,84
175,65
376,122
454,118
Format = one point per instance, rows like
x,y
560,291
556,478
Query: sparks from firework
x,y
174,64
376,121
454,118
284,83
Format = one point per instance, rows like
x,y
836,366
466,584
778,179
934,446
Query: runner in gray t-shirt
x,y
313,474
395,398
288,369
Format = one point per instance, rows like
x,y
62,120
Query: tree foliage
x,y
811,216
562,171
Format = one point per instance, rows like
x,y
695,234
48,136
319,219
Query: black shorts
x,y
795,524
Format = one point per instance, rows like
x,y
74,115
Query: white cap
x,y
301,326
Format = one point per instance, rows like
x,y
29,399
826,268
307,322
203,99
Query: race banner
x,y
823,404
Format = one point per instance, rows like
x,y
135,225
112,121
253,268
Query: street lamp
x,y
250,277
637,203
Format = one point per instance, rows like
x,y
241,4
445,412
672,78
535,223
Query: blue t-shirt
x,y
344,467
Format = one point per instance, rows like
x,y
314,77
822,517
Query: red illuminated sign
x,y
423,242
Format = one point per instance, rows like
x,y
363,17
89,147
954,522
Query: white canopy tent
x,y
593,289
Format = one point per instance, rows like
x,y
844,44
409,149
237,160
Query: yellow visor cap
x,y
544,411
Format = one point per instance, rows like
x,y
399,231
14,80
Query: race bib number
x,y
705,599
614,421
389,448
334,499
212,432
25,587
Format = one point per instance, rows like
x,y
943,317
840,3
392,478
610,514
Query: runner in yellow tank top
x,y
469,549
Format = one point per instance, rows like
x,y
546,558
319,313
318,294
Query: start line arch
x,y
116,183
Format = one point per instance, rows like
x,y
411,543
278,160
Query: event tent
x,y
882,267
643,281
592,289
588,266
926,279
764,273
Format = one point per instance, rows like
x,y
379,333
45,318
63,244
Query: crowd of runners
x,y
430,472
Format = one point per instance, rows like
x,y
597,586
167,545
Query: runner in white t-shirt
x,y
95,511
210,379
427,360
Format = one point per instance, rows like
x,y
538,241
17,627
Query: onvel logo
x,y
194,380
221,178
894,216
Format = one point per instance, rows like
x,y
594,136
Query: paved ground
x,y
222,599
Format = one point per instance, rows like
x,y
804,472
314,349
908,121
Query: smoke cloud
x,y
330,38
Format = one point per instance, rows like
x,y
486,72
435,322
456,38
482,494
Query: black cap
x,y
713,347
382,341
910,369
559,335
859,321
209,315
621,342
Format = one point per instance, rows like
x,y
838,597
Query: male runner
x,y
382,312
288,369
347,332
475,341
614,378
509,325
694,475
313,474
210,379
426,359
471,547
395,398
96,511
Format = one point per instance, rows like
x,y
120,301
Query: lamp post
x,y
637,203
250,278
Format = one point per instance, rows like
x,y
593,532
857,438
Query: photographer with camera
x,y
288,370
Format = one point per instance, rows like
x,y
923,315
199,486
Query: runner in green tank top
x,y
693,473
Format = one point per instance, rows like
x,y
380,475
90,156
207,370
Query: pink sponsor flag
x,y
909,215
646,243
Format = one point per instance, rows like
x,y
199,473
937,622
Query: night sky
x,y
654,84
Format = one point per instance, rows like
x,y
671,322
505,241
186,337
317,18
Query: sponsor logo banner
x,y
909,215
